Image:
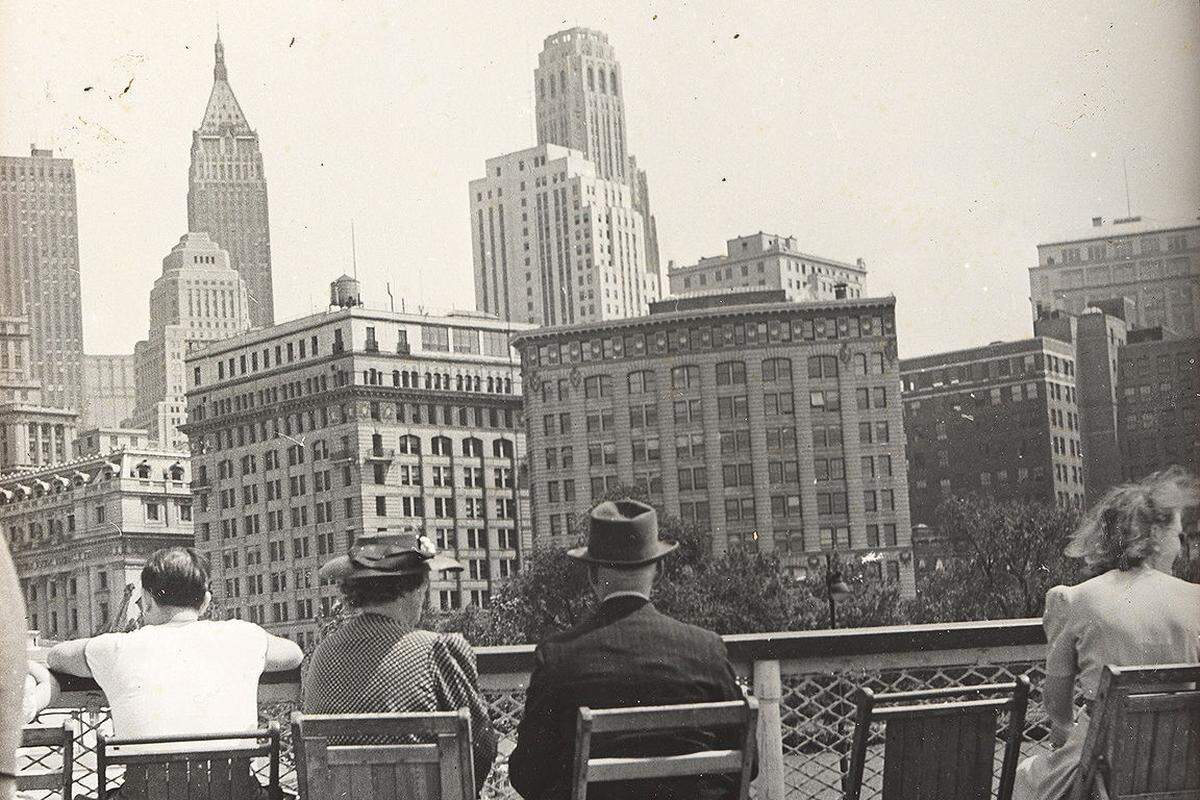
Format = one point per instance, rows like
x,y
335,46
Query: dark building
x,y
39,275
999,421
227,192
775,425
1159,420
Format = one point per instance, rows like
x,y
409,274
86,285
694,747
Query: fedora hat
x,y
623,533
378,555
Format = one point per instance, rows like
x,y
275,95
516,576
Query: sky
x,y
939,141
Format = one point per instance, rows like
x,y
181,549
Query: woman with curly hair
x,y
1132,612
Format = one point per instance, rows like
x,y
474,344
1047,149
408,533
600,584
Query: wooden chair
x,y
190,772
439,769
933,751
706,716
1143,739
58,780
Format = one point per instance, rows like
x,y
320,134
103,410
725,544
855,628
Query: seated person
x,y
178,674
1134,612
626,654
379,661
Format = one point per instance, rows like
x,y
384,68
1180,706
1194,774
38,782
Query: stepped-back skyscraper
x,y
227,191
580,104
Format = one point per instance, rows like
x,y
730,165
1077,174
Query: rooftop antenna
x,y
1128,206
391,300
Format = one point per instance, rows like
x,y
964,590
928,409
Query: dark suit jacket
x,y
625,654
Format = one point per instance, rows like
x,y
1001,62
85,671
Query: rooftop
x,y
1122,226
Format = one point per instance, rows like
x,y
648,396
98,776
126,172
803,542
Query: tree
x,y
1005,556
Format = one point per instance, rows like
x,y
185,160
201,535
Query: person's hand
x,y
41,688
1059,734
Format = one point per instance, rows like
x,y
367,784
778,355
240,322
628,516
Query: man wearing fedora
x,y
625,654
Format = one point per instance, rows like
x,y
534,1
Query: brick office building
x,y
999,421
1159,418
775,425
310,432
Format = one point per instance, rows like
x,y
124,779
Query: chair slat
x,y
657,718
191,755
341,755
177,779
40,780
933,710
42,737
383,780
603,770
333,726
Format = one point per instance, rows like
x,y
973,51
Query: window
x,y
731,373
686,377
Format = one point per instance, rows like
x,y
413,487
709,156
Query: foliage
x,y
1005,556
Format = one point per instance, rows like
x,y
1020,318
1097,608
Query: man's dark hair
x,y
176,576
361,592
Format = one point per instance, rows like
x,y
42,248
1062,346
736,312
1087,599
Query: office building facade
x,y
198,298
1155,265
34,436
306,434
227,192
769,261
80,532
109,390
39,270
555,244
1159,418
774,425
1000,421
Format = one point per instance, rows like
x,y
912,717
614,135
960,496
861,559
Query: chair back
x,y
421,754
1143,739
56,779
739,714
934,750
168,767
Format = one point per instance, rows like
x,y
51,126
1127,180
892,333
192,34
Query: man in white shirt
x,y
178,674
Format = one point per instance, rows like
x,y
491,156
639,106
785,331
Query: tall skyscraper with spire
x,y
581,105
227,191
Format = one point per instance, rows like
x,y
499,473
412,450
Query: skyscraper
x,y
555,244
227,192
39,270
580,104
197,299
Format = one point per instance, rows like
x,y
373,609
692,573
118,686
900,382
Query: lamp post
x,y
835,587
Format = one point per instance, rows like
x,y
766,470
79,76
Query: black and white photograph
x,y
626,401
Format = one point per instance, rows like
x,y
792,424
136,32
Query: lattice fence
x,y
816,711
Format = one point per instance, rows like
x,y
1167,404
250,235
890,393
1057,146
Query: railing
x,y
803,682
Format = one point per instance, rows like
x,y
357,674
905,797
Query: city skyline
x,y
919,144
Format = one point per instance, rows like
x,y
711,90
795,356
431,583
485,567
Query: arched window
x,y
777,369
478,382
410,444
458,382
472,446
591,79
641,381
613,82
508,385
428,381
731,373
395,377
490,384
685,377
603,86
142,471
440,446
175,472
502,448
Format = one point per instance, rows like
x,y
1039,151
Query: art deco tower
x,y
227,192
581,105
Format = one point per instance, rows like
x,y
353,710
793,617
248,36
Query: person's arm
x,y
44,691
282,654
538,760
1062,664
456,683
70,657
1058,698
12,670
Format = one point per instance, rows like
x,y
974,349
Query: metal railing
x,y
803,682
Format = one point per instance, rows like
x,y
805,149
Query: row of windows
x,y
719,336
992,369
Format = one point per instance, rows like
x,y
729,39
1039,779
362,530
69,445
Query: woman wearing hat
x,y
379,661
1133,612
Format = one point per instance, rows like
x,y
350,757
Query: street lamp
x,y
835,587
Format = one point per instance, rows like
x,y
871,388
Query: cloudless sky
x,y
939,141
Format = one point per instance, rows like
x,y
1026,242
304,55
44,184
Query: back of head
x,y
176,577
1119,532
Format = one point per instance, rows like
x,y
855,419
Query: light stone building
x,y
198,298
1154,264
80,532
39,269
580,104
109,390
777,426
96,441
306,434
227,191
555,244
770,261
16,383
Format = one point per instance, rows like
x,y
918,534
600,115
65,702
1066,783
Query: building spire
x,y
219,73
